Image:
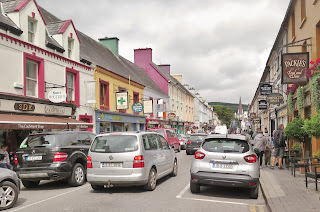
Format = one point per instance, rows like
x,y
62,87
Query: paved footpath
x,y
283,192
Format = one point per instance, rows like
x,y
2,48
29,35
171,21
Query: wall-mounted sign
x,y
275,98
294,68
57,95
91,92
171,115
137,107
283,113
122,100
51,109
24,107
265,89
263,105
147,106
252,115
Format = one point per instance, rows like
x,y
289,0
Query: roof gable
x,y
23,3
66,25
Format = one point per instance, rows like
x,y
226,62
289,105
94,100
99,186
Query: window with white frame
x,y
70,47
31,78
31,30
70,86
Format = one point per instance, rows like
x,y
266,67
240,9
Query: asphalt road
x,y
171,194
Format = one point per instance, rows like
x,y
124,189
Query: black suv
x,y
53,156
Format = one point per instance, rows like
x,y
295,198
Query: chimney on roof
x,y
177,77
165,67
143,57
111,43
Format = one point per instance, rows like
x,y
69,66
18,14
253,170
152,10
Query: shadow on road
x,y
224,192
49,185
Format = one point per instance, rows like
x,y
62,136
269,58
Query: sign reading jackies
x,y
265,89
294,68
263,105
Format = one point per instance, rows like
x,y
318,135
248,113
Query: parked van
x,y
221,130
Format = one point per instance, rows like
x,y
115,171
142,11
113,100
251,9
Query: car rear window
x,y
115,144
33,141
197,137
225,145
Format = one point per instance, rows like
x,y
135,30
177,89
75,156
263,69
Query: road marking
x,y
182,192
261,208
84,186
253,208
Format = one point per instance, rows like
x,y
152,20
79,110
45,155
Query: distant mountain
x,y
231,105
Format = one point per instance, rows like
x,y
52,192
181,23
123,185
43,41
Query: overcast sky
x,y
219,46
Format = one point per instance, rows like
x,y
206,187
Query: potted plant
x,y
312,125
296,147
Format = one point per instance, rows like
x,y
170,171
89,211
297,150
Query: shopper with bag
x,y
259,145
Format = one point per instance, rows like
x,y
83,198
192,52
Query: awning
x,y
9,121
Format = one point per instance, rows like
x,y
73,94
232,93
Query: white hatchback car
x,y
225,160
129,158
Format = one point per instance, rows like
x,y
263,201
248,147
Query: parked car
x,y
194,142
183,139
9,188
170,135
125,159
225,160
53,156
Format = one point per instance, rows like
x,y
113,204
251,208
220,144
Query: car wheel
x,y
77,177
254,192
194,187
8,195
152,180
175,168
30,184
97,187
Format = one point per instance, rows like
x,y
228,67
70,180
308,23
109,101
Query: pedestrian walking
x,y
259,145
5,159
279,145
254,134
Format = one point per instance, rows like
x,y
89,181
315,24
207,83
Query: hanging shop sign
x,y
57,95
252,115
265,89
122,100
24,107
137,107
161,108
275,98
263,105
294,68
171,115
147,106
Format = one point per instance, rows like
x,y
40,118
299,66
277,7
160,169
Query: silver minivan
x,y
130,158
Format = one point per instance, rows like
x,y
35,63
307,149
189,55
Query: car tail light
x,y
189,142
16,160
60,156
199,155
89,162
252,184
138,162
250,158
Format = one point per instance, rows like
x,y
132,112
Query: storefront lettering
x,y
54,109
31,126
117,118
24,107
82,126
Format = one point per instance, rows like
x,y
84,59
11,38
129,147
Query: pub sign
x,y
265,89
294,68
263,105
275,98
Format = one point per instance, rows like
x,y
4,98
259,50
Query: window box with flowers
x,y
313,73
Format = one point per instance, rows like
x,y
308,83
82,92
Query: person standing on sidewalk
x,y
259,145
279,145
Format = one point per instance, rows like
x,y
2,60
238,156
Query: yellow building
x,y
302,23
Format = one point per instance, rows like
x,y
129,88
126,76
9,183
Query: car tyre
x,y
187,153
175,168
77,177
97,187
30,184
194,187
254,192
10,197
152,180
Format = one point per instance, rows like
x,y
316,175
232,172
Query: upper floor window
x,y
31,30
104,95
70,86
70,47
31,78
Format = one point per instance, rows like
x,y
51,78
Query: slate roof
x,y
50,18
144,77
54,27
53,44
5,21
10,5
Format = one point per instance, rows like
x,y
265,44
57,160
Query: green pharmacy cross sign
x,y
122,100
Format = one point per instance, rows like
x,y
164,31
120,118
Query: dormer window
x,y
31,30
70,47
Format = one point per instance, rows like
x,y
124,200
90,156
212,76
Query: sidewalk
x,y
283,192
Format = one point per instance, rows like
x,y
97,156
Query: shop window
x,y
72,86
135,98
104,95
117,127
307,112
34,76
128,127
31,29
70,47
105,127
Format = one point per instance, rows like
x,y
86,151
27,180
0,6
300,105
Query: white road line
x,y
182,192
84,186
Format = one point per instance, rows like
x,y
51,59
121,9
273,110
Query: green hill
x,y
233,106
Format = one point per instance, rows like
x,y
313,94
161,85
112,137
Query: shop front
x,y
107,122
20,116
152,123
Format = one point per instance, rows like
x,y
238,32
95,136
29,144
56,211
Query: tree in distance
x,y
225,114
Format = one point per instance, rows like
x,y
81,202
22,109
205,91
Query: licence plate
x,y
222,166
32,158
111,164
